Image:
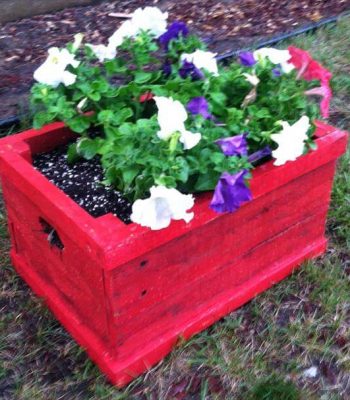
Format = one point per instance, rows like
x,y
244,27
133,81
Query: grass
x,y
258,352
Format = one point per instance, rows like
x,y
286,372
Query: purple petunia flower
x,y
189,69
234,145
247,58
230,192
176,29
258,155
198,105
166,68
277,72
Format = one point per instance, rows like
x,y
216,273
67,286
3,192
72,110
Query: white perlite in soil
x,y
81,181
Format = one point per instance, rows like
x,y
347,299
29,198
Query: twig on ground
x,y
119,15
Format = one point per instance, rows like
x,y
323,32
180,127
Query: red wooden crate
x,y
127,294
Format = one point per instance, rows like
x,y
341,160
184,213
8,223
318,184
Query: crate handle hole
x,y
52,236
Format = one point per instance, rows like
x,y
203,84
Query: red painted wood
x,y
127,293
258,220
193,300
75,272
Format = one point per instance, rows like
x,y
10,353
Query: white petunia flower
x,y
252,79
150,19
78,39
127,29
161,207
189,139
291,140
276,56
68,78
103,52
202,60
53,71
171,118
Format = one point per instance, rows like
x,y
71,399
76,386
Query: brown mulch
x,y
225,24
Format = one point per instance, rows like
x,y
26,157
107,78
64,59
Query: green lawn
x,y
258,352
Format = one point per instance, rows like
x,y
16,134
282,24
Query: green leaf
x,y
108,117
112,177
87,148
234,115
164,180
85,87
78,124
218,97
95,96
122,115
100,86
105,116
217,158
129,174
41,118
111,132
72,154
116,66
206,182
184,169
127,129
142,77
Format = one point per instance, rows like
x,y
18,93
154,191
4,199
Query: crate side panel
x,y
162,273
72,270
197,301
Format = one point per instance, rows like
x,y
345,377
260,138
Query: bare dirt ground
x,y
225,24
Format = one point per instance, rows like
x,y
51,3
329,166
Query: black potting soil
x,y
81,181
